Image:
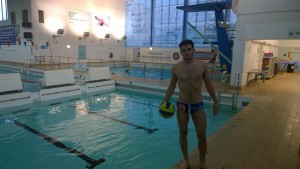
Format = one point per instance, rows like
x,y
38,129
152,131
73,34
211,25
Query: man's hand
x,y
215,109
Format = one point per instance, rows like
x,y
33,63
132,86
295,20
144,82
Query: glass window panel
x,y
138,25
3,10
167,23
204,23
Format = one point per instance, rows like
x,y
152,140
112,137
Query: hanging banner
x,y
82,21
10,33
147,55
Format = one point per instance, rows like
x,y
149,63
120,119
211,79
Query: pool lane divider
x,y
91,162
149,130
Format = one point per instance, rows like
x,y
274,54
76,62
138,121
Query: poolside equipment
x,y
57,84
98,79
11,91
166,109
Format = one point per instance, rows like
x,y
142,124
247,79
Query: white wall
x,y
259,20
292,54
17,53
56,16
289,43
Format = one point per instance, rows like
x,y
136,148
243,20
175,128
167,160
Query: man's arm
x,y
171,86
210,89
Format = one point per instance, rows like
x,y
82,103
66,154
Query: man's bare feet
x,y
185,165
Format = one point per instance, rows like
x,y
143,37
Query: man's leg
x,y
199,119
183,118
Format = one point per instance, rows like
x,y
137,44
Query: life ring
x,y
176,56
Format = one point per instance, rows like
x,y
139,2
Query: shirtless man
x,y
214,57
189,74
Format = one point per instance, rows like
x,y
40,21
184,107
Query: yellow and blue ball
x,y
166,109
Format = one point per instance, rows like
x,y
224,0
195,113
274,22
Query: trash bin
x,y
290,68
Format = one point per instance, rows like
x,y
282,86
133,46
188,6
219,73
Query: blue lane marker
x,y
91,162
54,104
150,131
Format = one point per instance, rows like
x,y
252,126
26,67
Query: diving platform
x,y
224,44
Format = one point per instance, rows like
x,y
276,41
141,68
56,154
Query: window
x,y
138,23
159,23
25,15
167,23
3,10
204,23
13,18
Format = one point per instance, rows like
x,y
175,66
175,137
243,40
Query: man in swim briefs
x,y
190,74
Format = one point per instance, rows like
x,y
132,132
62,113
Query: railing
x,y
227,99
224,79
236,85
26,66
60,62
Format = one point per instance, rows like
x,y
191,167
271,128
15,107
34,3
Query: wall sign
x,y
294,33
10,33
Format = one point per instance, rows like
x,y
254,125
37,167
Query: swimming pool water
x,y
124,127
155,73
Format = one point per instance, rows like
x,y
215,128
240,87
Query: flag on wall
x,y
8,43
25,43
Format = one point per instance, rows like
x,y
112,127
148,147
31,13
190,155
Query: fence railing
x,y
60,62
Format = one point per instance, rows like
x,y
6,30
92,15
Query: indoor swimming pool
x,y
120,129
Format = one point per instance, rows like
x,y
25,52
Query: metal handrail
x,y
27,65
237,82
69,62
224,79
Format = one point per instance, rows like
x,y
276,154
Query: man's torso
x,y
189,78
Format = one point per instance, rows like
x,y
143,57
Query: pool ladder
x,y
236,85
229,99
26,66
224,79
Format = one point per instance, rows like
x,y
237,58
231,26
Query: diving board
x,y
224,45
